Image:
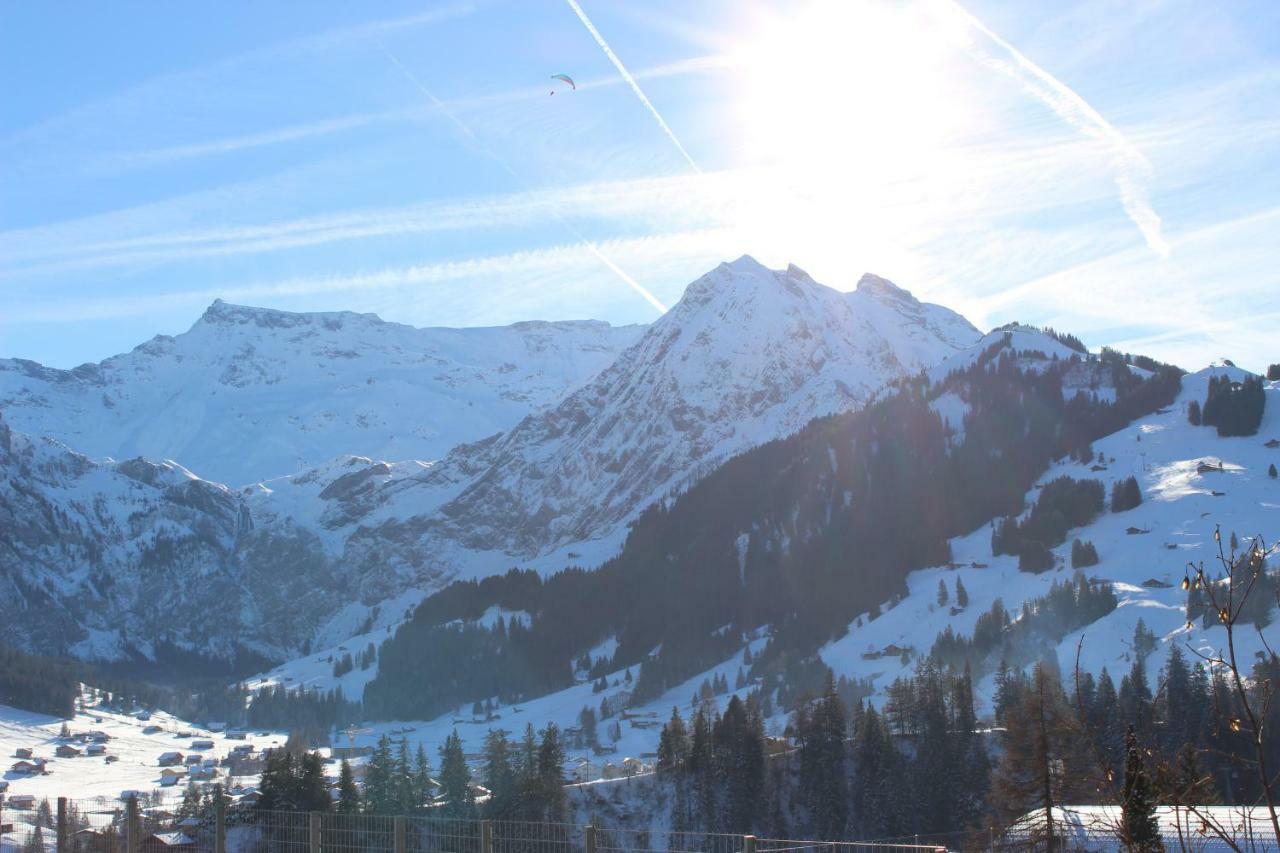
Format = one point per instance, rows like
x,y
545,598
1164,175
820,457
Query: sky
x,y
1107,167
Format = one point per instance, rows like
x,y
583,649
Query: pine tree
x,y
379,792
348,793
405,796
942,593
422,783
528,793
1140,827
499,777
822,761
962,594
455,778
551,774
1271,471
673,744
1193,413
313,790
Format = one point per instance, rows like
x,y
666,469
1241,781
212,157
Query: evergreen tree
x,y
1083,554
551,774
379,785
1271,471
962,594
455,778
1193,413
942,593
673,744
1135,697
348,793
1125,494
1141,828
823,781
422,783
499,777
528,782
405,794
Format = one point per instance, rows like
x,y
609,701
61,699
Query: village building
x,y
162,842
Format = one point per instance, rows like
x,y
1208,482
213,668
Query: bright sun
x,y
844,102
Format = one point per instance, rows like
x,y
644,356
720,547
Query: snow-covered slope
x,y
114,560
251,393
748,355
1183,501
131,755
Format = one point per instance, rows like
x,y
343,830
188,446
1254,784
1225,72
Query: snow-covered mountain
x,y
1191,478
748,355
119,559
251,393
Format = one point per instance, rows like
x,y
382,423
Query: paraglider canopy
x,y
564,78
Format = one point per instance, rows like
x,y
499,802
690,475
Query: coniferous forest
x,y
801,535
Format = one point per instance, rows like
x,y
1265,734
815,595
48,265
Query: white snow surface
x,y
307,408
254,393
136,768
1179,510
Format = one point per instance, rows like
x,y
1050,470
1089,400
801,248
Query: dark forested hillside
x,y
799,536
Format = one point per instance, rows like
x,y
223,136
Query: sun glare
x,y
844,100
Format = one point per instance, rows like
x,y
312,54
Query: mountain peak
x,y
875,285
225,313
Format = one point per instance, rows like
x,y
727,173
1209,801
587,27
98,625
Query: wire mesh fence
x,y
133,826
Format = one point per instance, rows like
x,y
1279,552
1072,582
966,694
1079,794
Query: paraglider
x,y
564,78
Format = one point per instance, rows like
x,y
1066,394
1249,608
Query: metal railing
x,y
109,826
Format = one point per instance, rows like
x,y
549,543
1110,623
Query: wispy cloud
x,y
1132,169
475,140
511,269
631,81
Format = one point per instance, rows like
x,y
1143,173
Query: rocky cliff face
x,y
113,560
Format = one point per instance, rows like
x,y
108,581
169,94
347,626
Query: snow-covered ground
x,y
134,746
1180,510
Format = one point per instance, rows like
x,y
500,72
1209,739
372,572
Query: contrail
x,y
631,81
506,167
1132,168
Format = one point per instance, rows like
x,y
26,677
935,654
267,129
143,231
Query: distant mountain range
x,y
383,461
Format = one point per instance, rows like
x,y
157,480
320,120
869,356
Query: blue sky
x,y
1107,167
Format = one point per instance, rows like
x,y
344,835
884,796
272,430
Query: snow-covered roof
x,y
1193,828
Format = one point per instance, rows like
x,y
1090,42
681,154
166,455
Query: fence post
x,y
61,824
589,837
132,825
748,844
399,834
219,821
486,836
313,843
